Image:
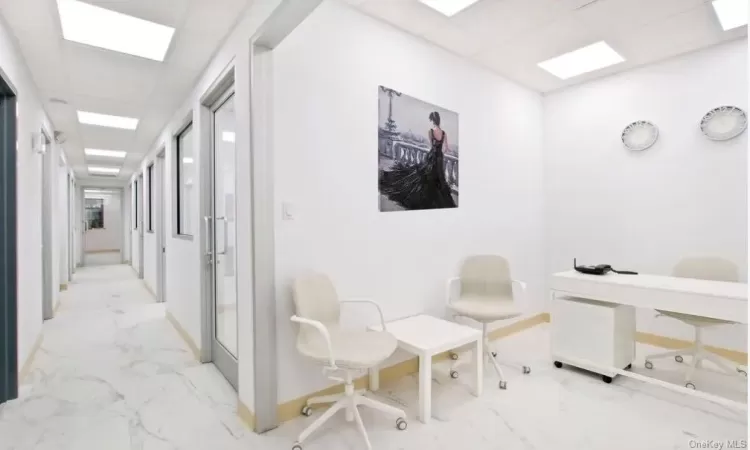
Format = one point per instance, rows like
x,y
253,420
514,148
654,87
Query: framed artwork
x,y
417,153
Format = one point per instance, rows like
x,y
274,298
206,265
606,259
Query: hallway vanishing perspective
x,y
112,373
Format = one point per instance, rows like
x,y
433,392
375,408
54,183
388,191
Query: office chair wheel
x,y
401,424
678,358
494,354
454,374
558,364
306,411
606,379
503,385
743,372
526,370
649,365
690,385
454,356
297,447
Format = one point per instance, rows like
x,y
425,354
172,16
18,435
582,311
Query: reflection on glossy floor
x,y
112,374
102,259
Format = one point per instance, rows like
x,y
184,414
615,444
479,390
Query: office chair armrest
x,y
449,289
326,336
380,311
520,284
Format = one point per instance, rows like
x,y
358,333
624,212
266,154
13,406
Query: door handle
x,y
207,240
226,241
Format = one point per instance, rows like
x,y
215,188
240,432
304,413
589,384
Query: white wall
x,y
325,102
127,224
31,119
686,196
62,232
108,238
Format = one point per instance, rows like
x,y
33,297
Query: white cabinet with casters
x,y
586,330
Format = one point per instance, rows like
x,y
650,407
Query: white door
x,y
222,238
161,230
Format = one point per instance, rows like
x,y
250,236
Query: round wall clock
x,y
723,123
639,135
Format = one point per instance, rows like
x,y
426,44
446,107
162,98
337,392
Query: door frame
x,y
48,167
139,199
161,226
8,243
218,95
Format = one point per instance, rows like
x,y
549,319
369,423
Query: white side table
x,y
427,336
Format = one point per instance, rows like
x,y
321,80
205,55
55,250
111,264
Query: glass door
x,y
223,238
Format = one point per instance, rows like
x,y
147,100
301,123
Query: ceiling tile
x,y
617,16
412,16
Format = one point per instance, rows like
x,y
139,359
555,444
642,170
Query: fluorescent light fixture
x,y
586,59
103,120
187,160
228,136
97,191
110,30
731,13
108,170
449,7
104,153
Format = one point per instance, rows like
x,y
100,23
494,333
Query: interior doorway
x,y
8,270
221,239
139,189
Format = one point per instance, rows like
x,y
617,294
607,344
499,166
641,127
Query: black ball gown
x,y
420,185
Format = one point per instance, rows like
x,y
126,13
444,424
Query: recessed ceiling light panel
x,y
104,153
449,7
586,59
110,30
96,169
104,120
731,13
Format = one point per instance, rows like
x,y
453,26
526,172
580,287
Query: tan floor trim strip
x,y
148,288
246,415
293,408
64,287
672,343
184,335
26,369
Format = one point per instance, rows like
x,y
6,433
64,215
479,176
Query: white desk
x,y
427,336
715,299
705,298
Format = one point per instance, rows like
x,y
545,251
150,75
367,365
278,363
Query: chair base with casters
x,y
491,356
348,401
698,354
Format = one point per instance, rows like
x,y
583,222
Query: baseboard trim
x,y
293,408
674,344
184,335
63,287
246,415
26,368
148,288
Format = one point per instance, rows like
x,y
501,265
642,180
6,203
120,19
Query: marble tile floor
x,y
112,374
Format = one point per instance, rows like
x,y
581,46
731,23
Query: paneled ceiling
x,y
511,36
73,76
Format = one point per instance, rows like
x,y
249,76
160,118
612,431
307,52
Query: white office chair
x,y
321,339
704,269
484,293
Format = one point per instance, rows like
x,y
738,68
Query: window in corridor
x,y
94,213
185,182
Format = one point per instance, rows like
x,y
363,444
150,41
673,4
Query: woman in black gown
x,y
421,185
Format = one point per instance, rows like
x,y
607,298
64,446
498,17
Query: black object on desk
x,y
601,269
